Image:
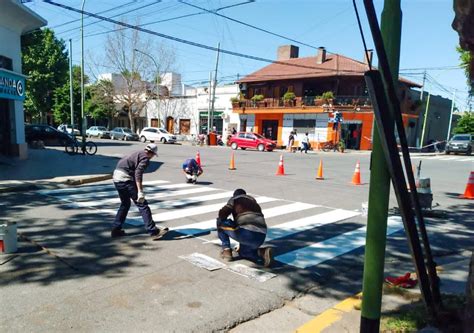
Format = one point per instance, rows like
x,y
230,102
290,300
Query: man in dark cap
x,y
128,178
248,227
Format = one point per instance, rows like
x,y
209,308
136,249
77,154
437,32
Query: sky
x,y
428,40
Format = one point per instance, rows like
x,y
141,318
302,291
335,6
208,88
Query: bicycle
x,y
328,146
72,147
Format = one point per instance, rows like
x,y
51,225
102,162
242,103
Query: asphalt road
x,y
89,283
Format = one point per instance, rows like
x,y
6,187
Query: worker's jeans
x,y
249,240
128,191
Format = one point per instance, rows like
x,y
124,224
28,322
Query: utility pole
x,y
209,105
83,120
71,96
379,192
451,116
423,86
215,85
424,120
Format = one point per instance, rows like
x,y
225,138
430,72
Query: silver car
x,y
98,131
123,133
460,143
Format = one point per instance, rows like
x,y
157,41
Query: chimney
x,y
370,54
286,52
321,56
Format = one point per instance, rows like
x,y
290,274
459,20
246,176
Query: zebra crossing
x,y
191,210
450,158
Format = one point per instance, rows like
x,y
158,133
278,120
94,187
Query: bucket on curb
x,y
8,237
365,208
424,185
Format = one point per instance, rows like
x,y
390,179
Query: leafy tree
x,y
465,124
467,61
61,100
101,104
45,61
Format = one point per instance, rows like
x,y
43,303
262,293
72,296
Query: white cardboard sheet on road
x,y
203,261
251,273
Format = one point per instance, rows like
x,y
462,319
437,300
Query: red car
x,y
246,140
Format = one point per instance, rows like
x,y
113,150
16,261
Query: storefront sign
x,y
12,86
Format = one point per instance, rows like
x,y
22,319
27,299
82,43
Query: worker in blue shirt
x,y
192,170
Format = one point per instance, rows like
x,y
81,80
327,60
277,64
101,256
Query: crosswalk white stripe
x,y
333,247
307,223
188,201
467,160
113,192
93,187
179,213
210,225
150,197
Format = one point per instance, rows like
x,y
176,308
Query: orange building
x,y
302,94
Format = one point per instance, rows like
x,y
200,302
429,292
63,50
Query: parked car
x,y
246,140
48,134
460,143
123,133
98,131
69,129
153,134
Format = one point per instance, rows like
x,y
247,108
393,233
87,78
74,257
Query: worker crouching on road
x,y
192,170
248,227
128,177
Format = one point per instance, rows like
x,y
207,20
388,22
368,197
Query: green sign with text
x,y
12,86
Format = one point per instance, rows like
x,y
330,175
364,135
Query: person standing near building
x,y
247,227
305,143
291,141
128,180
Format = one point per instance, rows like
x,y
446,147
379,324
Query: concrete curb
x,y
28,185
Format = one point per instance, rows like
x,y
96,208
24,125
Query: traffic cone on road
x,y
281,168
469,192
232,163
198,158
356,176
319,176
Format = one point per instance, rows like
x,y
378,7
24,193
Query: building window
x,y
6,63
304,125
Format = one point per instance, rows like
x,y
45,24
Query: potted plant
x,y
256,99
318,100
289,98
328,97
235,102
341,145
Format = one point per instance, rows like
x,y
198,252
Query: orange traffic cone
x,y
469,192
320,171
281,168
198,158
356,176
232,163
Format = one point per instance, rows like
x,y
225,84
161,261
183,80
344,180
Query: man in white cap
x,y
128,180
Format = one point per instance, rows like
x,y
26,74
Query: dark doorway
x,y
351,134
270,129
5,138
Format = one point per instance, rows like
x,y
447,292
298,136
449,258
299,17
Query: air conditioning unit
x,y
243,86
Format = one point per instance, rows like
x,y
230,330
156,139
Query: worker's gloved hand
x,y
141,197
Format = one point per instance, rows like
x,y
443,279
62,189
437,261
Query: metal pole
x,y
71,96
451,116
379,192
424,121
209,104
215,85
83,120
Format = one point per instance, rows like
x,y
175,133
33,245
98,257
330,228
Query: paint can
x,y
424,185
8,237
365,208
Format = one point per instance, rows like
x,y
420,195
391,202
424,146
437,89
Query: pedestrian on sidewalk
x,y
128,180
192,170
291,141
248,227
305,143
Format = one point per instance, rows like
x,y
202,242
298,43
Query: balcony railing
x,y
307,101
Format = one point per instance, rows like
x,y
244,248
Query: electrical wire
x,y
184,41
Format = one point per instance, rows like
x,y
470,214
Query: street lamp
x,y
157,71
83,132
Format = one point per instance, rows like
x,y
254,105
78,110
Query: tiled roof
x,y
299,68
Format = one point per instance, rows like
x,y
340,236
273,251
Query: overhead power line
x,y
184,41
248,25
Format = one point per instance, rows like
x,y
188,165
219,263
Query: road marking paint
x,y
150,197
179,213
90,188
330,316
328,249
207,226
113,192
